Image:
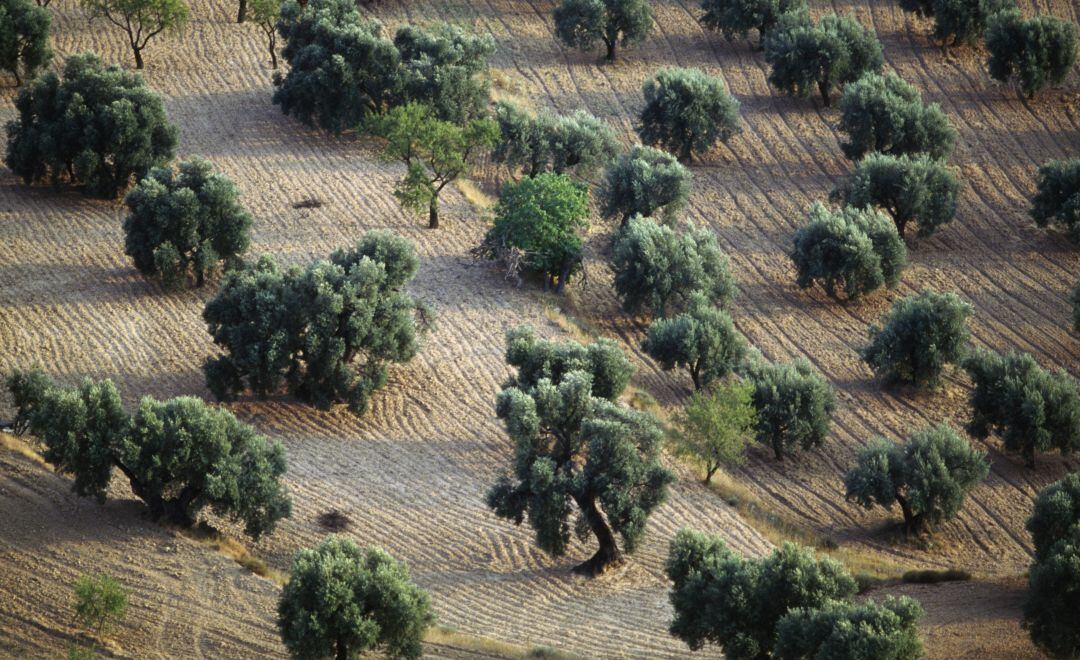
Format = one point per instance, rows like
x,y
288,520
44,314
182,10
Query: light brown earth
x,y
412,473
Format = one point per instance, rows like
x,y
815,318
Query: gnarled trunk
x,y
433,214
241,14
607,556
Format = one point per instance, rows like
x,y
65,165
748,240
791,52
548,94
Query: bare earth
x,y
412,473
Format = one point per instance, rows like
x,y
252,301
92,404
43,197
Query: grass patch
x,y
934,576
473,194
17,445
203,533
447,636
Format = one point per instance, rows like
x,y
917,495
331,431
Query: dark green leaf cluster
x,y
1038,51
886,114
923,333
1057,200
1032,409
179,456
24,38
794,405
835,52
658,270
958,22
1054,582
703,340
686,112
856,632
325,333
738,17
578,143
184,223
918,7
1056,515
342,600
853,250
97,126
928,476
583,24
645,181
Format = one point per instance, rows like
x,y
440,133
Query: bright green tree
x,y
1038,51
886,114
578,143
582,24
265,14
703,340
24,38
793,404
141,20
865,631
646,181
716,427
738,17
687,112
100,602
1057,198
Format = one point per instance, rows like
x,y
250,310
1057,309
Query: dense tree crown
x,y
179,456
140,20
915,189
928,476
1057,199
324,333
854,251
886,114
184,223
658,270
1056,515
578,143
958,22
583,24
341,601
703,340
24,38
794,405
922,333
687,112
645,181
738,17
859,632
1038,51
577,447
1054,581
97,126
716,427
1032,409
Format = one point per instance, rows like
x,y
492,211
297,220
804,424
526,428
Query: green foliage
x,y
703,340
184,223
1057,199
928,476
100,602
1053,599
141,20
435,152
325,332
446,68
645,181
27,388
736,603
265,14
835,52
910,188
922,334
794,405
24,38
853,250
886,114
659,270
97,126
582,24
1056,515
1032,409
716,426
858,632
959,22
342,601
738,17
575,446
578,143
687,111
1039,51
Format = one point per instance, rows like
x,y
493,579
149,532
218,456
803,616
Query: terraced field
x,y
412,473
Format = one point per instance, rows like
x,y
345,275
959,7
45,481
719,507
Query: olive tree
x,y
794,404
715,427
738,17
265,14
1054,580
914,188
342,600
24,38
1056,515
1032,409
140,20
97,126
577,447
854,251
703,340
583,24
963,22
928,476
687,111
658,270
865,631
922,333
183,223
445,67
646,181
100,602
577,143
325,333
1038,51
886,114
1057,198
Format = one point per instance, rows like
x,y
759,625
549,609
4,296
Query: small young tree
x,y
922,334
341,601
184,223
794,405
97,126
836,51
582,24
1057,199
962,22
716,427
543,217
100,602
886,114
853,250
929,476
687,111
1038,51
435,153
445,67
265,14
846,630
1054,581
1056,515
575,446
1032,409
141,20
24,38
658,270
578,143
703,340
738,17
645,181
910,188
